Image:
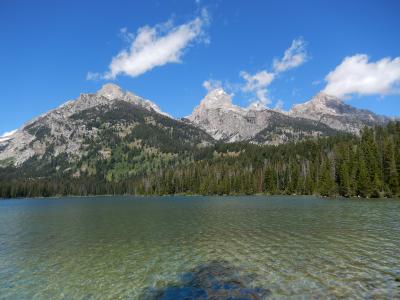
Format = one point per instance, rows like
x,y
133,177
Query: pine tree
x,y
270,181
326,182
370,153
343,171
390,170
363,181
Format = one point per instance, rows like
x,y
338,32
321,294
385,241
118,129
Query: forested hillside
x,y
346,165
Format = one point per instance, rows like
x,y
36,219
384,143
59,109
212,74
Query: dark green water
x,y
221,247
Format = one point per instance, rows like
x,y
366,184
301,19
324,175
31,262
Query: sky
x,y
273,53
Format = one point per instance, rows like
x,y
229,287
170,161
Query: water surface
x,y
221,247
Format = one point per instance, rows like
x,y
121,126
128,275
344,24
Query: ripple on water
x,y
204,247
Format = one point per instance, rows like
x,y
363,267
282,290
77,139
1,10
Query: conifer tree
x,y
326,181
363,181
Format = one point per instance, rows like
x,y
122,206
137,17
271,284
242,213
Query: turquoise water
x,y
204,247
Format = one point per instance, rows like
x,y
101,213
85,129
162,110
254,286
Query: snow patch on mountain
x,y
7,135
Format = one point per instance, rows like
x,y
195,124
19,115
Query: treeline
x,y
349,166
366,166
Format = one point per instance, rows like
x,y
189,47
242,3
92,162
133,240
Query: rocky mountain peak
x,y
321,103
325,98
257,105
111,91
223,120
335,113
217,98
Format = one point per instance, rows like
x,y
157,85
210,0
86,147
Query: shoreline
x,y
57,197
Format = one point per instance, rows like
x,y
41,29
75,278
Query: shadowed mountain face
x,y
213,280
283,129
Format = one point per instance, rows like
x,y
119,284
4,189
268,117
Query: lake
x,y
199,247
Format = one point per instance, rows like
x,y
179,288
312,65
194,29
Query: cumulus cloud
x,y
356,75
155,46
293,57
258,84
257,81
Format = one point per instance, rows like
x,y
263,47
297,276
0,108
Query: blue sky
x,y
48,48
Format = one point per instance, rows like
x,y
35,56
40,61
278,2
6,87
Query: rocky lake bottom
x,y
199,247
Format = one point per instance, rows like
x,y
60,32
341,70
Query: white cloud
x,y
259,80
258,84
293,57
279,106
356,75
93,76
212,84
125,35
156,46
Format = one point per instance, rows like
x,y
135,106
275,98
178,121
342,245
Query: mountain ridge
x,y
224,121
216,118
335,113
58,127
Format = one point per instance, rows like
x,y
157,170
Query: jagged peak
x,y
111,91
257,105
216,98
324,97
320,101
219,99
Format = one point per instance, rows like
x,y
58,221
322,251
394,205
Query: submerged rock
x,y
214,280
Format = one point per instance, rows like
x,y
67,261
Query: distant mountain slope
x,y
231,123
94,128
225,121
116,134
283,129
333,112
114,142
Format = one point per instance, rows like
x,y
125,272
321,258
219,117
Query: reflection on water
x,y
214,280
179,247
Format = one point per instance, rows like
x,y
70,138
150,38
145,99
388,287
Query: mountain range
x,y
91,125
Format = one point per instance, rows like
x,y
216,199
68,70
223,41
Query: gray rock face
x,y
228,122
59,131
57,128
322,115
333,112
219,117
